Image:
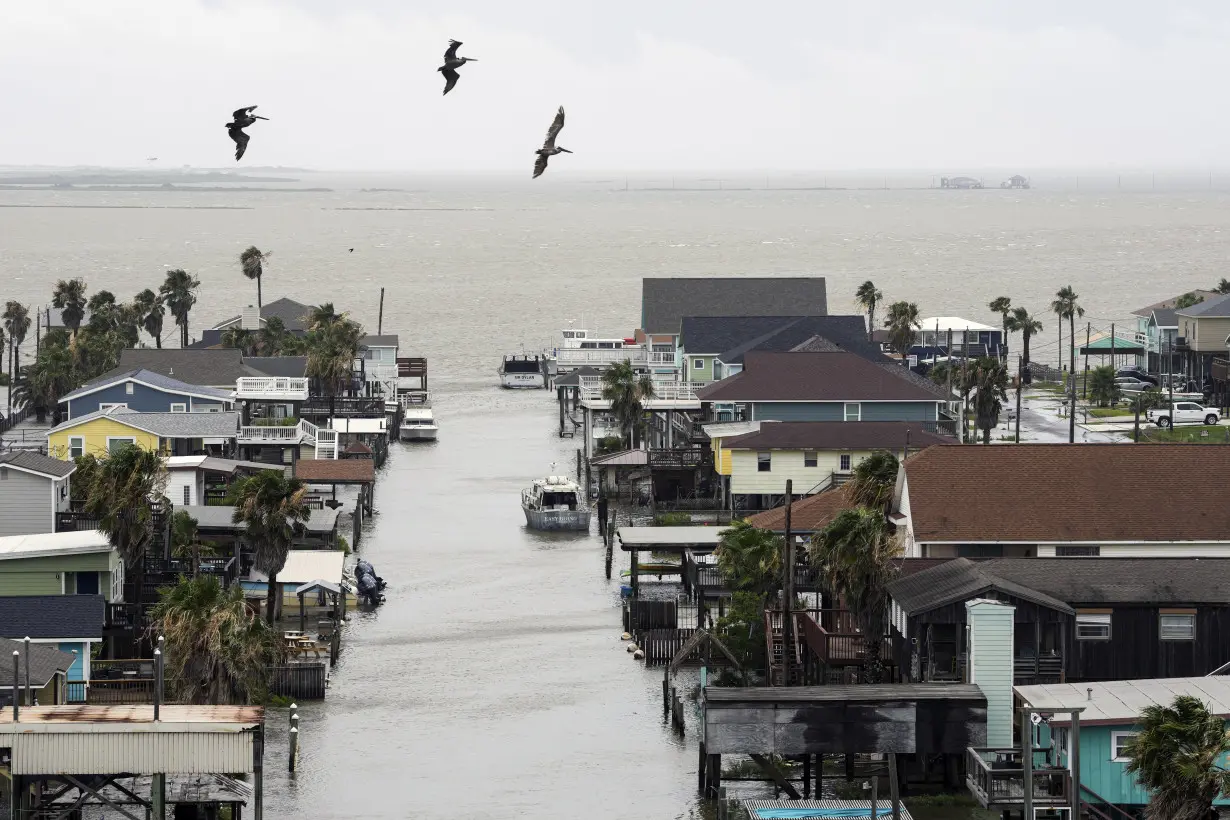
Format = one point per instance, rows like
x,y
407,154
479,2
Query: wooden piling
x,y
380,315
894,791
294,738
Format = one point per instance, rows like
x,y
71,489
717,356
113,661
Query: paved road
x,y
1041,422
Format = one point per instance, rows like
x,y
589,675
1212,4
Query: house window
x,y
187,496
1077,552
1118,746
288,456
1093,626
810,459
846,463
179,407
117,582
114,443
980,550
128,387
854,412
76,446
105,406
698,364
87,583
1176,626
764,462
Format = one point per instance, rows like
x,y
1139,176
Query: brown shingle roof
x,y
339,471
1029,493
814,377
835,435
809,515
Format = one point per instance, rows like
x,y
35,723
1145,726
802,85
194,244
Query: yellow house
x,y
813,455
172,434
720,432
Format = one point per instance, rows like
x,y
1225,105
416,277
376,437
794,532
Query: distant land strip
x,y
376,208
139,207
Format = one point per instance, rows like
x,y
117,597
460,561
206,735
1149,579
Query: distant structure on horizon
x,y
1017,181
960,182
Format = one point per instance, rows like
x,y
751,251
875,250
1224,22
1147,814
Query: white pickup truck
x,y
1185,412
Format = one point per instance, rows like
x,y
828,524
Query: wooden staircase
x,y
775,647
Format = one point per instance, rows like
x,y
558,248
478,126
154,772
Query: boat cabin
x,y
555,493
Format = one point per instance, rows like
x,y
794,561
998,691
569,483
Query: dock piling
x,y
16,686
29,691
294,736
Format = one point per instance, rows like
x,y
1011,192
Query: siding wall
x,y
991,648
1136,651
704,373
178,479
835,411
98,751
26,504
1207,335
95,434
1183,549
143,399
1108,778
45,576
746,478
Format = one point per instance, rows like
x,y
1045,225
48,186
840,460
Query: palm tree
x,y
1223,286
750,559
184,539
17,323
218,652
1028,327
69,298
902,324
627,392
270,504
240,339
1065,307
151,310
1177,755
252,263
275,340
321,316
989,379
1188,299
1102,388
874,480
179,293
868,296
856,555
42,382
331,350
1003,306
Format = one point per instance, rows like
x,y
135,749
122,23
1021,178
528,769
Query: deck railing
x,y
844,648
658,359
573,357
269,387
1027,669
997,780
343,407
681,459
263,434
663,391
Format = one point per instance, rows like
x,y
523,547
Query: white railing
x,y
380,371
326,444
576,357
663,391
310,431
249,435
663,360
257,387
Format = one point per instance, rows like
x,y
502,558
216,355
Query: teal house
x,y
1107,721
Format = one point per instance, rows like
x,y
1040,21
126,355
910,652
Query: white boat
x,y
417,421
555,503
523,372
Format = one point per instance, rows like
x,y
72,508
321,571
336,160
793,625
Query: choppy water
x,y
492,683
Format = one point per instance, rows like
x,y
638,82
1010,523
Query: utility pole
x,y
964,382
948,356
1020,371
788,592
1085,385
1072,410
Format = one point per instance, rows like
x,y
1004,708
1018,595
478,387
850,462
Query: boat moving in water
x,y
555,503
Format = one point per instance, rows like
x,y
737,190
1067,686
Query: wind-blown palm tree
x,y
270,504
331,350
240,339
1223,286
252,263
750,559
989,379
218,652
274,339
179,294
185,539
321,316
17,323
1003,306
41,383
868,296
1065,307
627,392
69,298
151,311
902,323
1028,327
874,480
1102,388
856,555
1177,756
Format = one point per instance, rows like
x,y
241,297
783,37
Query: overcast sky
x,y
648,84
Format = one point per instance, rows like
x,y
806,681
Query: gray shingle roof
x,y
38,463
221,518
1165,317
960,580
282,367
731,337
151,378
815,377
293,314
51,616
664,302
1121,580
1169,303
386,340
45,662
168,425
1217,307
835,435
212,367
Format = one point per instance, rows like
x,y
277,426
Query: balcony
x,y
381,371
264,388
997,780
657,359
571,358
344,407
691,458
271,435
668,395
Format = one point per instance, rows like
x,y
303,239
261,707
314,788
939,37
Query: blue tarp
x,y
818,814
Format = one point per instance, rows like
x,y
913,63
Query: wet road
x,y
492,684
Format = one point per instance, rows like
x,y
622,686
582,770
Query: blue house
x,y
144,391
1108,719
70,623
829,386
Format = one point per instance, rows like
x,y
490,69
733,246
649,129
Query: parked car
x,y
1132,383
1185,412
1136,373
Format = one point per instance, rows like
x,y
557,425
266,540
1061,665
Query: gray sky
x,y
648,84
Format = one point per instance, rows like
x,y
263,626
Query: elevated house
x,y
1076,619
48,673
1204,336
198,367
172,434
293,315
202,480
814,455
70,623
713,347
34,488
61,563
970,340
1064,500
144,391
1157,333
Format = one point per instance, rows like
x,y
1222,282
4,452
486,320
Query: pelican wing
x,y
450,78
553,131
451,54
243,113
540,165
241,141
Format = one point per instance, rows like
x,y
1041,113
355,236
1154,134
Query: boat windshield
x,y
566,499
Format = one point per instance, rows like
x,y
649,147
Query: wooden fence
x,y
299,680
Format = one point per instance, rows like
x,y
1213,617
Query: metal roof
x,y
319,584
953,323
49,544
217,465
221,517
625,458
165,425
37,463
150,379
306,566
668,538
1122,701
855,694
384,340
51,616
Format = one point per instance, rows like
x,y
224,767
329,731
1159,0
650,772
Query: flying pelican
x,y
549,148
451,63
243,117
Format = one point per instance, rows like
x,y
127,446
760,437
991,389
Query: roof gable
x,y
45,662
1217,307
152,380
293,314
815,377
37,464
213,367
960,580
665,301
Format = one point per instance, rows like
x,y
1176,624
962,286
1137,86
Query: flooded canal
x,y
493,683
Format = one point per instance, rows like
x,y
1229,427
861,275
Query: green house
x,y
61,563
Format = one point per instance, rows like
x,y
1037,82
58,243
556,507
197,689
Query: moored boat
x,y
523,372
417,421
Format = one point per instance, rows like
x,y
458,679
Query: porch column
x,y
1074,761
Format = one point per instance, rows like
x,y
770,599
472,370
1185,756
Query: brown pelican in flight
x,y
242,119
451,63
549,148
